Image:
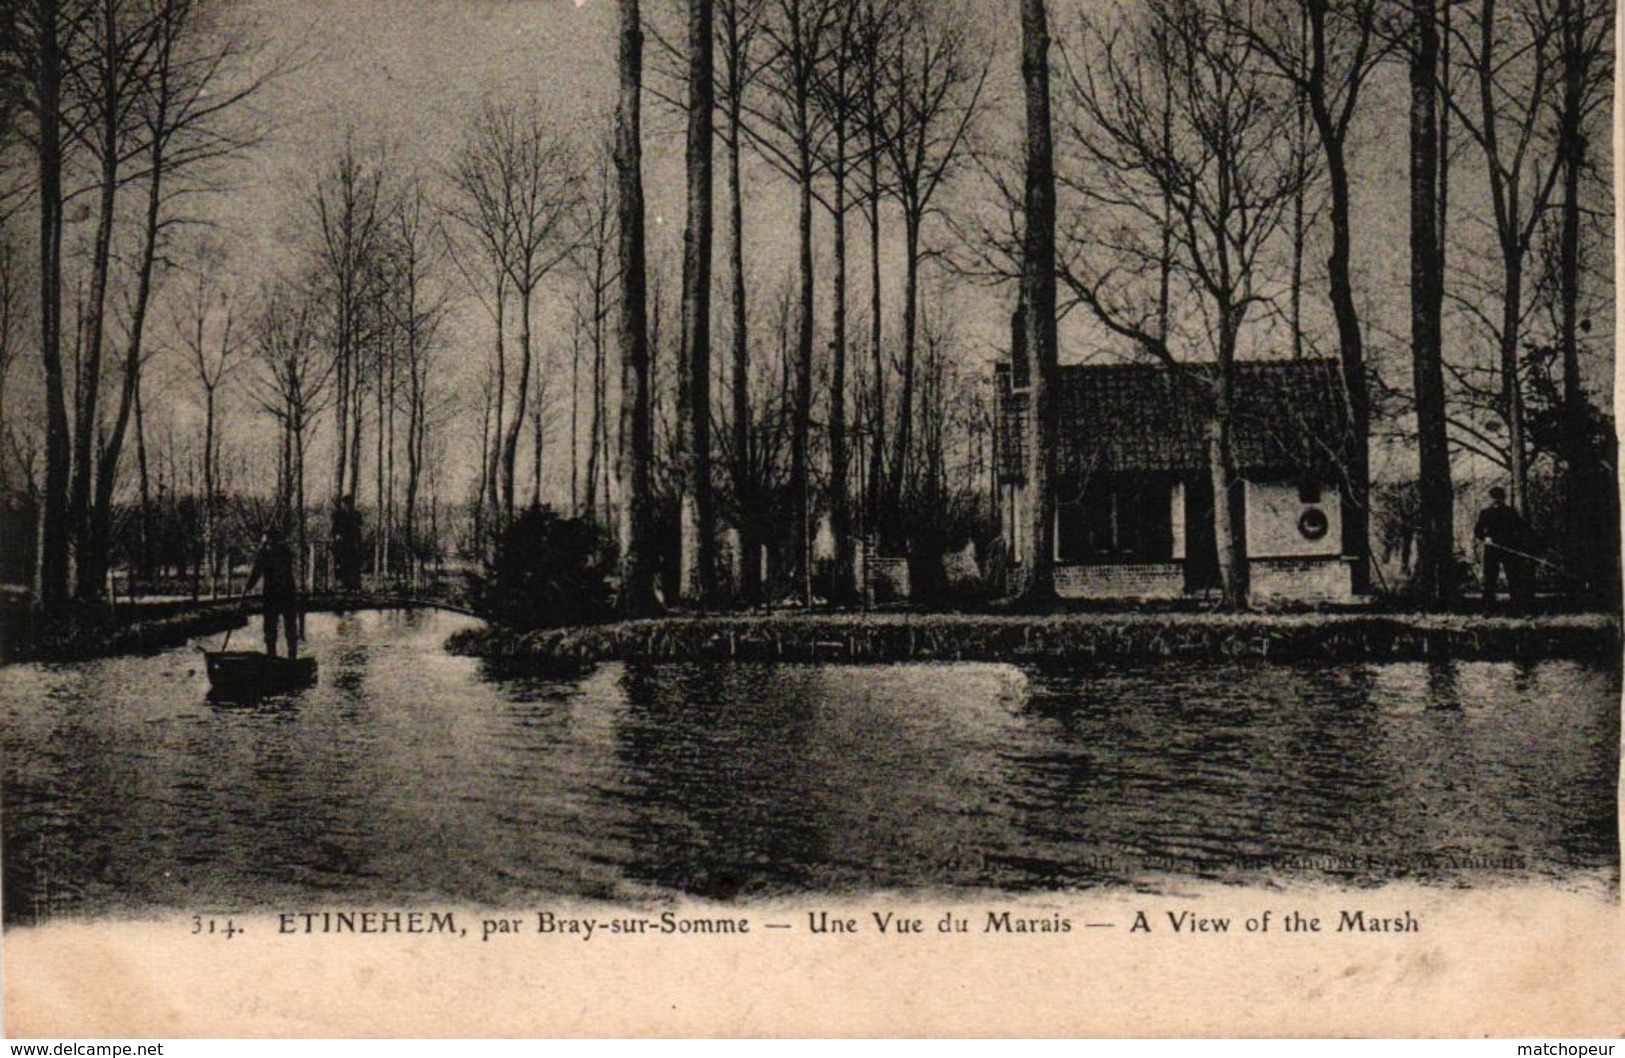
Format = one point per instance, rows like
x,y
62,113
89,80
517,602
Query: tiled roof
x,y
1289,415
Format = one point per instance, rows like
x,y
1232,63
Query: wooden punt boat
x,y
245,672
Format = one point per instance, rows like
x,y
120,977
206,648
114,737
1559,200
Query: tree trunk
x,y
596,427
301,523
414,473
875,501
1356,512
698,545
146,486
210,485
637,435
606,475
510,442
388,427
421,549
538,430
1229,493
91,567
1585,531
1218,447
1038,307
1309,35
575,421
358,383
903,444
1351,349
481,502
1511,383
51,589
1509,225
379,528
498,409
877,415
341,401
1435,572
800,483
840,518
107,470
284,472
750,587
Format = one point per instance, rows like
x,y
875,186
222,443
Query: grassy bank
x,y
1064,637
92,631
887,637
140,627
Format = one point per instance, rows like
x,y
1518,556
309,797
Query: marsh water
x,y
406,774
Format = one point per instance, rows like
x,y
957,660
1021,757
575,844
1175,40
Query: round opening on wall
x,y
1312,523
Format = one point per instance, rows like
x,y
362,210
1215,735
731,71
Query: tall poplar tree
x,y
637,434
1038,308
698,579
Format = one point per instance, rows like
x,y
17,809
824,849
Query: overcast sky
x,y
408,74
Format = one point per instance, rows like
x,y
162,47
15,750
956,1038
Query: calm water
x,y
409,775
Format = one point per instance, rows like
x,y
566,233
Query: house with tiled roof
x,y
1134,489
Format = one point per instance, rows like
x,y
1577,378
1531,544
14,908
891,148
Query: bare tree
x,y
1586,66
417,306
1038,361
877,27
543,403
1225,174
38,62
484,270
188,115
840,94
480,503
105,79
736,62
11,320
211,358
637,438
577,336
932,88
787,132
759,471
698,521
1513,52
597,277
146,93
380,348
738,25
293,382
517,186
1328,52
349,205
1436,539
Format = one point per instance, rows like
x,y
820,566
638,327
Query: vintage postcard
x,y
809,517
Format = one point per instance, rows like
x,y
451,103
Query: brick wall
x,y
1151,580
1300,579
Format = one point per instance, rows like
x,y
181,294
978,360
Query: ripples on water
x,y
408,774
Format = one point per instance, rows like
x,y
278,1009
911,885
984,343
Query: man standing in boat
x,y
275,567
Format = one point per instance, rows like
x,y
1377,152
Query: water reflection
x,y
1201,772
407,774
713,769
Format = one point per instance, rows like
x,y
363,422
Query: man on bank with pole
x,y
1505,539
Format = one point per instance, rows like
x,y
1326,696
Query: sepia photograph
x,y
706,486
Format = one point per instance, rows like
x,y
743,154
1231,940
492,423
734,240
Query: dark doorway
x,y
1201,547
